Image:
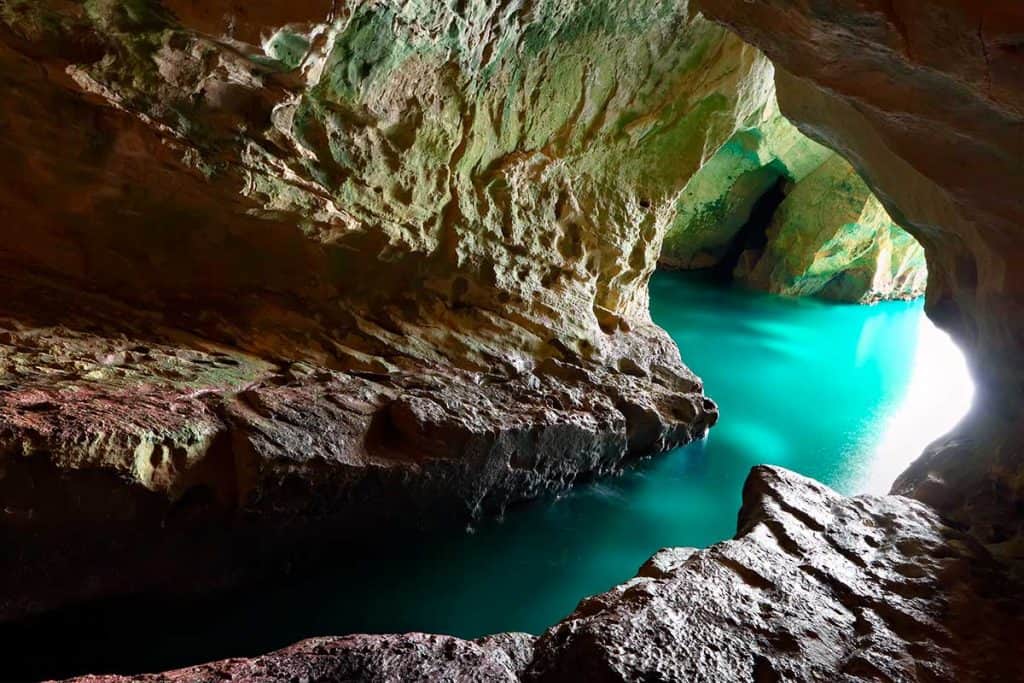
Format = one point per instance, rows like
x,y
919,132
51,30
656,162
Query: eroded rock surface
x,y
815,587
788,215
134,446
266,266
409,657
720,198
926,99
830,237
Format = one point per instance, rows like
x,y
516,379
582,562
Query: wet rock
x,y
409,657
291,267
188,448
815,586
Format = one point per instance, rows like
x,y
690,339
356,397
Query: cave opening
x,y
753,236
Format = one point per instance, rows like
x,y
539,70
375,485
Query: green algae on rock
x,y
444,215
831,237
718,200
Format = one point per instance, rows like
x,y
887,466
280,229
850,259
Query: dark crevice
x,y
754,233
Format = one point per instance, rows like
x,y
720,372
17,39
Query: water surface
x,y
846,394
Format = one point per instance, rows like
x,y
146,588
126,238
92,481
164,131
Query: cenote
x,y
843,393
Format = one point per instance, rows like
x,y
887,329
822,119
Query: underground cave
x,y
499,340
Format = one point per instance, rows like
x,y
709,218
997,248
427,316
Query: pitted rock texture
x,y
814,587
407,180
273,271
926,100
409,657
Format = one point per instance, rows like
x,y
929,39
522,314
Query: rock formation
x,y
829,237
815,586
266,266
275,271
719,199
409,657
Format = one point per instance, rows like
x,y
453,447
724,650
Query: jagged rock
x,y
283,263
926,100
130,445
409,657
815,587
831,238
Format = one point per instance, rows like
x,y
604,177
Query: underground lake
x,y
843,393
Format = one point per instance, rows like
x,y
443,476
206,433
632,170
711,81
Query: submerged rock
x,y
815,586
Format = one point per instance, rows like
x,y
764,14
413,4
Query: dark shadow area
x,y
753,234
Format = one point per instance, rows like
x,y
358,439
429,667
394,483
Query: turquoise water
x,y
846,394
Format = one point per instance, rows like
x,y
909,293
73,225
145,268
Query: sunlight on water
x,y
938,396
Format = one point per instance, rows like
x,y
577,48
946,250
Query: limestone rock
x,y
814,587
409,657
830,237
127,444
373,256
718,200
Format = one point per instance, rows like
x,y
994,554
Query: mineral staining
x,y
830,237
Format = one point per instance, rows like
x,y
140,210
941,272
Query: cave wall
x,y
926,100
274,271
455,163
293,261
830,237
718,200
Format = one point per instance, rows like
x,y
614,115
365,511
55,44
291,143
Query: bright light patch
x,y
938,397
